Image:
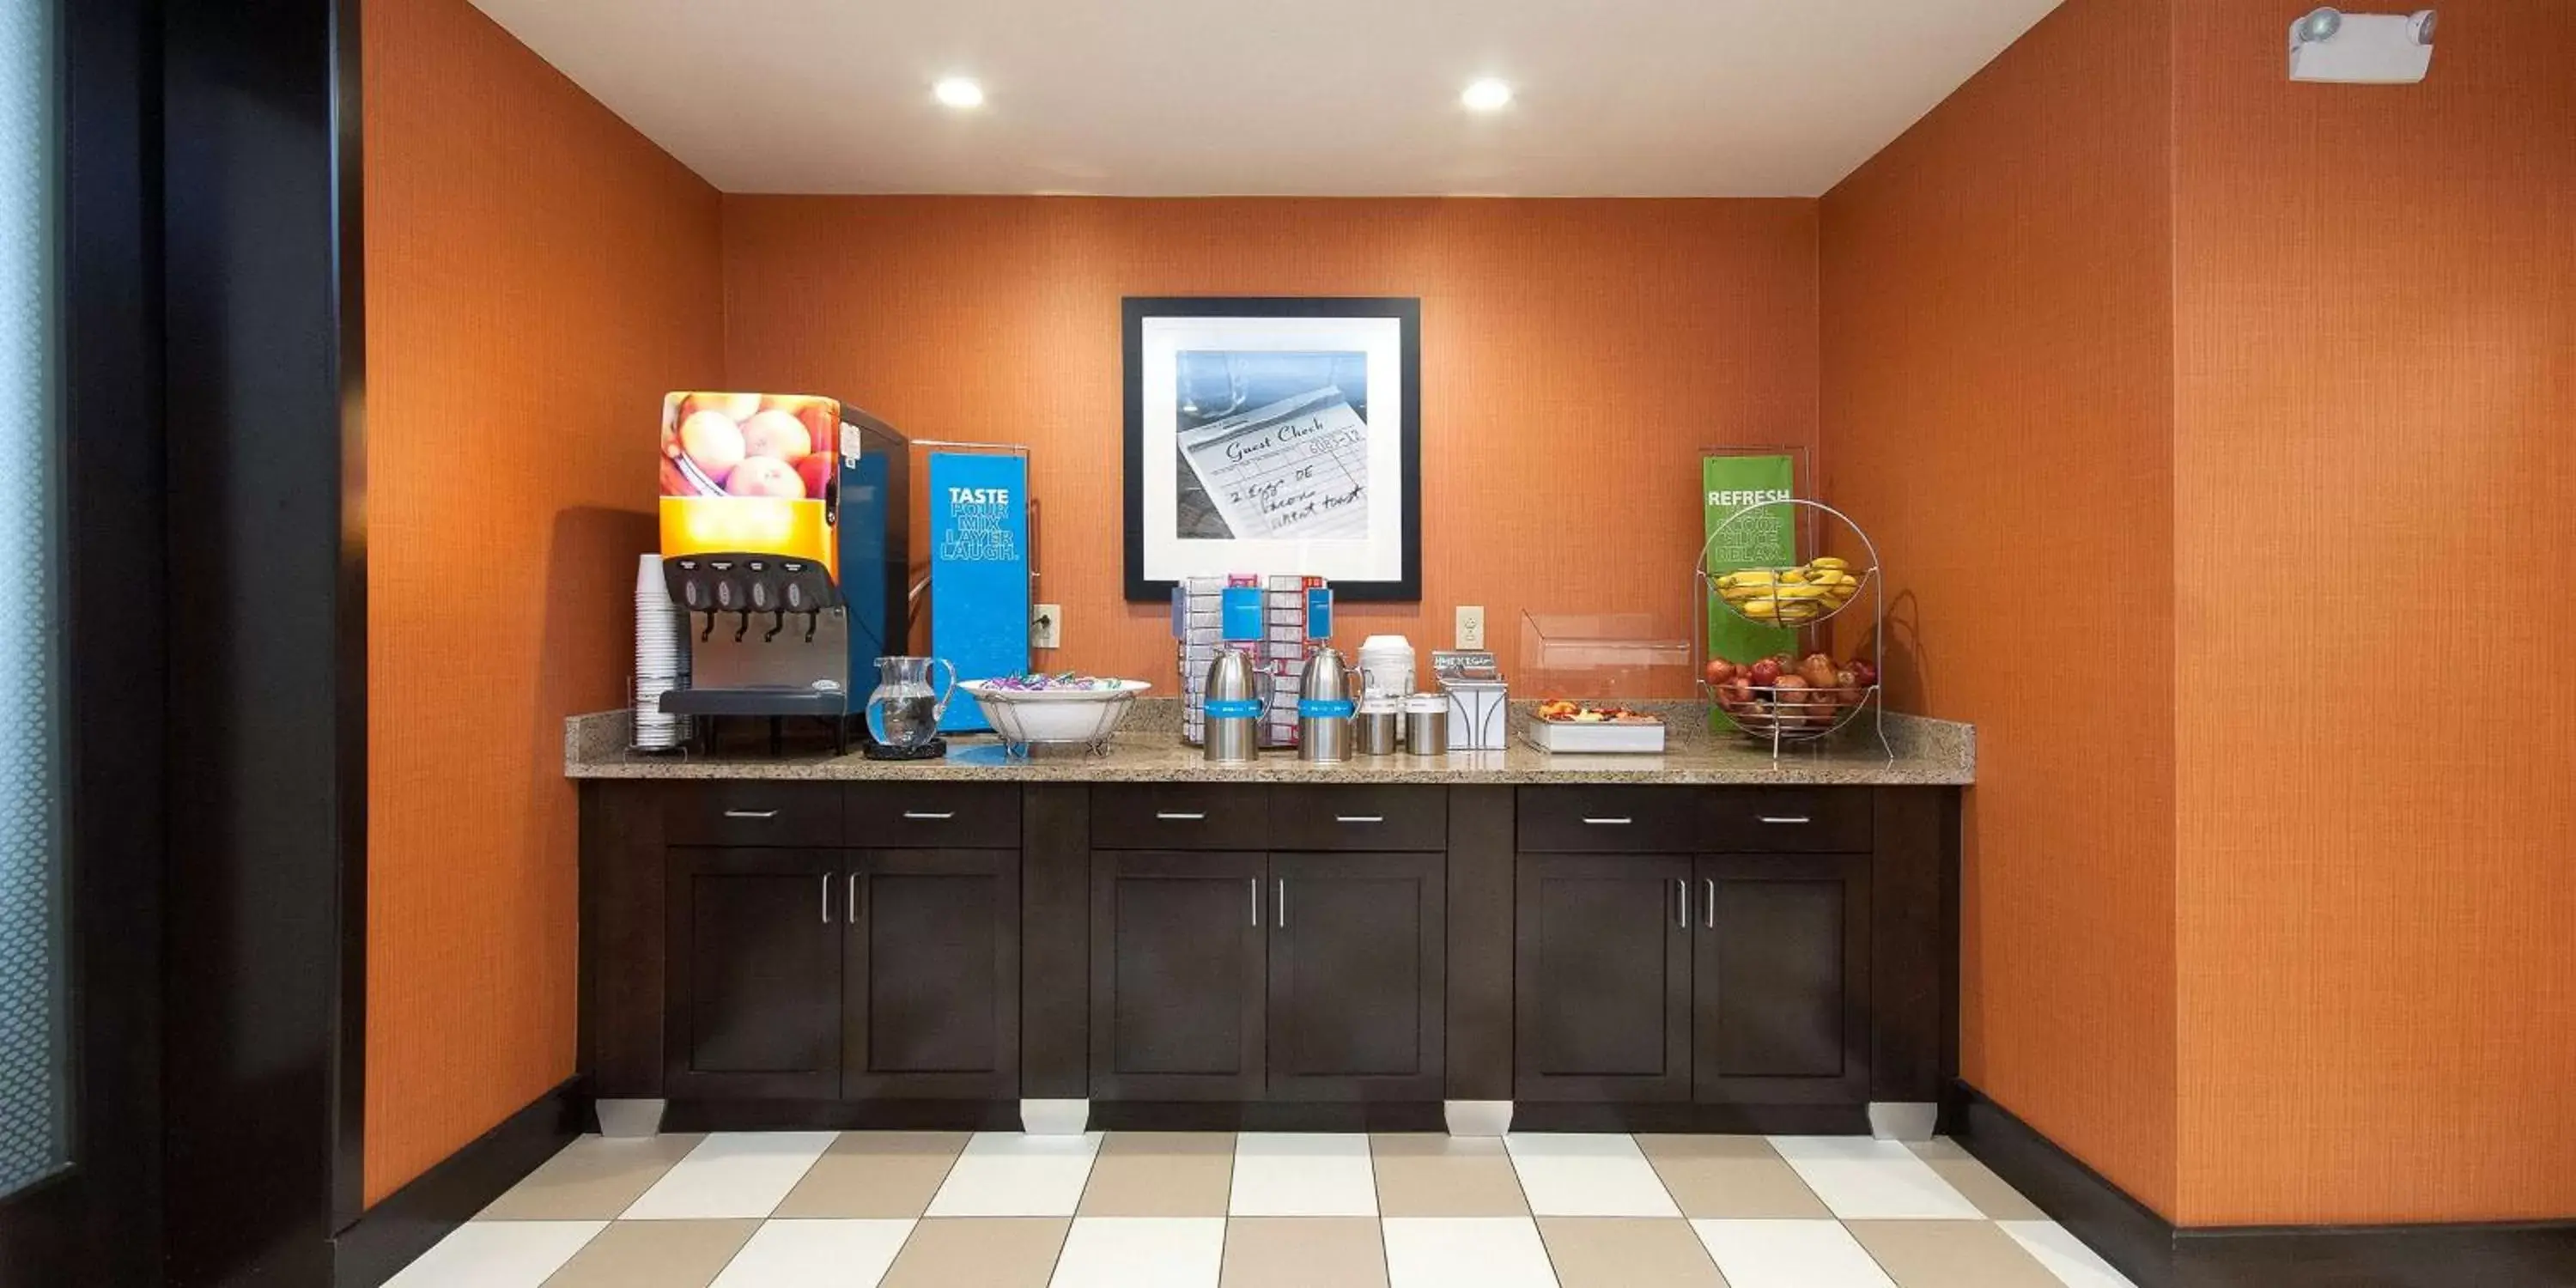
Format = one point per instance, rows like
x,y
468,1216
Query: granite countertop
x,y
1148,748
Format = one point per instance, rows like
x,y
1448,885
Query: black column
x,y
267,714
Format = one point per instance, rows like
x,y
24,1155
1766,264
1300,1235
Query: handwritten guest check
x,y
1296,468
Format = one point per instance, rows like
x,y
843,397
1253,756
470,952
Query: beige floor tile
x,y
1154,1173
592,1179
1627,1252
1950,1254
986,1251
1999,1201
1303,1251
655,1254
875,1174
1430,1174
1738,1177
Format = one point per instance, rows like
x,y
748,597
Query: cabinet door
x,y
1603,973
1176,975
1783,978
1357,976
753,973
932,981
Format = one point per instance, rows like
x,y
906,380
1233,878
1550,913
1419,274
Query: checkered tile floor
x,y
1193,1210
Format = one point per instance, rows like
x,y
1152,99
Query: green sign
x,y
1729,485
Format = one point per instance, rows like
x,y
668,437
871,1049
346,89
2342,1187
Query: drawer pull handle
x,y
1359,818
935,816
1712,903
1170,816
1786,818
1607,822
827,898
1255,883
751,813
1681,903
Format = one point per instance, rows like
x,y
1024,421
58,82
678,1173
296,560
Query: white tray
x,y
1605,738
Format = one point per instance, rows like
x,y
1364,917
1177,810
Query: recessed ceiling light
x,y
958,91
1487,95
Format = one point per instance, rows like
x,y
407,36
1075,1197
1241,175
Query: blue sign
x,y
979,571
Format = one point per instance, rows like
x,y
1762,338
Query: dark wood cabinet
x,y
931,977
1357,979
754,973
1177,975
1603,973
1781,985
1764,957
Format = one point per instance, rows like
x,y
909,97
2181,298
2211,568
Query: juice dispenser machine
x,y
784,526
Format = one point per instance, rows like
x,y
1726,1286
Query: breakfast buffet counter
x,y
1925,753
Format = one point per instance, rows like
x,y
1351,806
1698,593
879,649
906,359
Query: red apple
x,y
816,471
765,476
1764,673
1720,670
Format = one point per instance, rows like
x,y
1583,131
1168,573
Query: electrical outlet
x,y
1046,626
1471,626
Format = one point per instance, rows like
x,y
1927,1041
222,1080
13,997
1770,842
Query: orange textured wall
x,y
1575,356
1997,377
2376,476
537,275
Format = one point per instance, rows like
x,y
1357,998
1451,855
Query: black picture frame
x,y
1406,310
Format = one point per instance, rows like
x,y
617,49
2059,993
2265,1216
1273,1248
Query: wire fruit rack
x,y
1793,710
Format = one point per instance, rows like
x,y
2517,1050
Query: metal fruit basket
x,y
1802,598
1029,719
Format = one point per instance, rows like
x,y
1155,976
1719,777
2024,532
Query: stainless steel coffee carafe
x,y
1324,708
1233,708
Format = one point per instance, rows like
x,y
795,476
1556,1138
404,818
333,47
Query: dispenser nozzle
x,y
777,623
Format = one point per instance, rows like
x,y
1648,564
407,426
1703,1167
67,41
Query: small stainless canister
x,y
1373,730
1426,724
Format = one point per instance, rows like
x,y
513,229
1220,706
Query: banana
x,y
1829,564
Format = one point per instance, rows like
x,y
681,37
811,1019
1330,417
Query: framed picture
x,y
1275,435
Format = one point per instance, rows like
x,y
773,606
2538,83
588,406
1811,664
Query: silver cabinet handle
x,y
1170,817
1712,903
827,898
1681,902
1786,818
1607,822
751,813
1359,818
852,917
1279,905
939,816
1255,883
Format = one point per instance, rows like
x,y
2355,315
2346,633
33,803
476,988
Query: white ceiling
x,y
1325,97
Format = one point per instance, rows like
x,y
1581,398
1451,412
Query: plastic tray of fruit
x,y
1810,592
1788,699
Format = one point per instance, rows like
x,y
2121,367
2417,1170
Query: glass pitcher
x,y
903,710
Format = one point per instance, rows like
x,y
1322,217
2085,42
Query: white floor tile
x,y
2065,1255
1141,1252
1789,1254
1009,1174
1578,1174
1302,1174
816,1254
1466,1252
1863,1179
734,1174
498,1254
